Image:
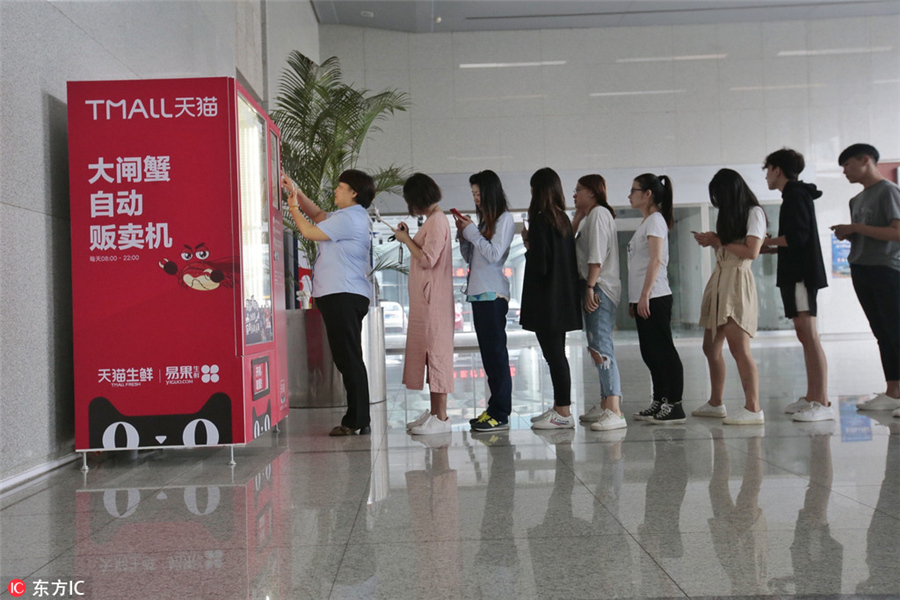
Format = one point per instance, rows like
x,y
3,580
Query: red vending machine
x,y
179,316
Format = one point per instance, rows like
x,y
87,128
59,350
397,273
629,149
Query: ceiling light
x,y
796,86
835,51
672,58
504,65
636,93
368,14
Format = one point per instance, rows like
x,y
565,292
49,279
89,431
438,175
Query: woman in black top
x,y
550,300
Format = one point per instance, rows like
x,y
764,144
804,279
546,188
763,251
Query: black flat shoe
x,y
342,430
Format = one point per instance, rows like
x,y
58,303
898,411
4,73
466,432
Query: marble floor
x,y
699,511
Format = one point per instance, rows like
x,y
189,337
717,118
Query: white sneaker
x,y
815,412
420,420
795,407
431,425
745,417
593,415
555,421
708,410
879,402
608,421
543,415
816,428
616,435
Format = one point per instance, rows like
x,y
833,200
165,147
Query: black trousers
x,y
343,315
878,290
489,318
658,350
553,345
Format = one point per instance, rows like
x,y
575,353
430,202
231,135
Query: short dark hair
x,y
858,150
789,161
361,183
420,191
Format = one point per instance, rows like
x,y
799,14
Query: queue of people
x,y
572,282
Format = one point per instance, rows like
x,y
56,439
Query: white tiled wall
x,y
44,44
732,107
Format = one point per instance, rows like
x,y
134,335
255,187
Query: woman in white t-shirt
x,y
729,308
650,298
597,255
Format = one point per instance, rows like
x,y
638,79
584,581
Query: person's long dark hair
x,y
730,194
661,190
547,200
595,184
493,201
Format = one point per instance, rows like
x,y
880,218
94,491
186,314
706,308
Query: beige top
x,y
730,293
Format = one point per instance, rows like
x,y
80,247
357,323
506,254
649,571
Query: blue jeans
x,y
598,329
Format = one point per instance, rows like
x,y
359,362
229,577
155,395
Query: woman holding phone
x,y
485,247
429,336
729,308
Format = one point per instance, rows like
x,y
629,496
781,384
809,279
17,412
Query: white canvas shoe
x,y
543,415
795,407
879,402
420,420
745,417
815,412
609,421
593,415
431,425
555,421
708,410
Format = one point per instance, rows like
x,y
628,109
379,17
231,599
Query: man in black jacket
x,y
801,274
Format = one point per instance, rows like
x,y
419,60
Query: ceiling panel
x,y
426,16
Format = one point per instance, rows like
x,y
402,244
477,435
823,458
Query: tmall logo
x,y
16,588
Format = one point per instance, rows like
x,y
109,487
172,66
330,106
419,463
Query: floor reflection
x,y
700,510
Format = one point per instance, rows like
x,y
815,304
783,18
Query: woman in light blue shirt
x,y
485,247
340,281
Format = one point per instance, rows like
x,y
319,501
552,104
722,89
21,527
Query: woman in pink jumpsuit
x,y
429,336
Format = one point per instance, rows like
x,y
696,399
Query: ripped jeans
x,y
598,328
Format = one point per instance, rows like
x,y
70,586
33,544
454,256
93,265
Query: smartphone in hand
x,y
456,213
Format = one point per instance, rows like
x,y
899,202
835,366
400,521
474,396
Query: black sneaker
x,y
669,414
490,424
648,413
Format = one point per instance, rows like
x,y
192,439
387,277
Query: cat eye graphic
x,y
199,432
110,429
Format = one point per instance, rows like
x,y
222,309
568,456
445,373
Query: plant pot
x,y
313,378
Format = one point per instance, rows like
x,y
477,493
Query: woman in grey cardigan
x,y
485,247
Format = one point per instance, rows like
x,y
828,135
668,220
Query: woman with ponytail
x,y
650,298
551,302
729,308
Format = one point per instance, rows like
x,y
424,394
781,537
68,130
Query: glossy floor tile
x,y
699,510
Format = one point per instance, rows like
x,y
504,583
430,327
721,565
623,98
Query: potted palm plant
x,y
324,122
